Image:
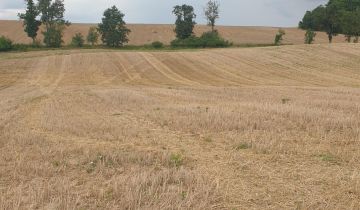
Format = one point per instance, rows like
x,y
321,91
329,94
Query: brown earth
x,y
256,128
147,33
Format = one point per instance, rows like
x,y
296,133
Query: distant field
x,y
147,33
254,128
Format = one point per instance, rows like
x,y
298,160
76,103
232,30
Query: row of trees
x,y
113,30
336,17
50,14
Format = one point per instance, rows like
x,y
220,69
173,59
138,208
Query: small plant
x,y
176,160
309,36
78,40
157,45
208,139
327,157
242,146
285,100
5,44
183,195
279,37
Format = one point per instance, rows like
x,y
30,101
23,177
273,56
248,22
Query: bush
x,y
206,40
5,44
279,37
53,36
78,40
309,36
157,45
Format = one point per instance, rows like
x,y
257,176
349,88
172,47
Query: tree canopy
x,y
337,16
113,28
212,13
185,23
31,24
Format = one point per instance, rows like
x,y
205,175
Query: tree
x,y
309,36
279,37
78,40
185,23
31,24
337,16
331,21
113,28
212,13
52,16
351,24
92,36
53,36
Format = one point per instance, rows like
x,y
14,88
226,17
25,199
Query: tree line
x,y
335,17
112,30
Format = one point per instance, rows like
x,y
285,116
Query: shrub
x,y
53,36
21,47
309,36
206,40
279,37
157,45
78,40
5,44
93,36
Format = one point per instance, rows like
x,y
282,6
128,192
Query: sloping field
x,y
259,128
147,33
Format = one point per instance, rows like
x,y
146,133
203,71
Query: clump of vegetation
x,y
92,36
310,36
5,44
243,146
285,100
327,157
176,160
208,139
206,40
157,45
113,30
185,24
78,40
279,37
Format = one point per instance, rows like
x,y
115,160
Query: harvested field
x,y
257,128
147,33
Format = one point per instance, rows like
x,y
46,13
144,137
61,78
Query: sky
x,y
284,13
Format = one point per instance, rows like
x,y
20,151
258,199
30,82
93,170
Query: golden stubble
x,y
264,128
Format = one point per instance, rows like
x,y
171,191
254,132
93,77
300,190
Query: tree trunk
x,y
330,38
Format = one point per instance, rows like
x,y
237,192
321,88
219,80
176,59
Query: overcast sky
x,y
233,12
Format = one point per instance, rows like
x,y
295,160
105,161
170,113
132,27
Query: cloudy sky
x,y
233,12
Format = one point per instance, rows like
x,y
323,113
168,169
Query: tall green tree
x,y
185,23
211,12
351,24
52,16
31,24
113,30
337,16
